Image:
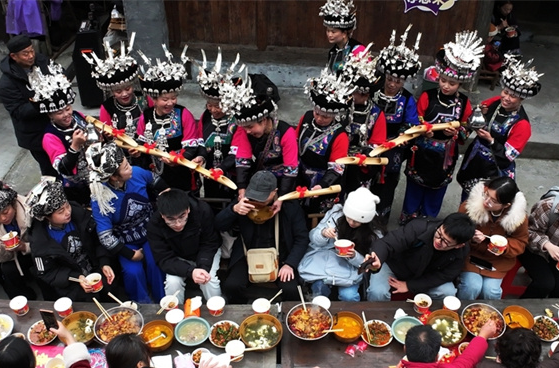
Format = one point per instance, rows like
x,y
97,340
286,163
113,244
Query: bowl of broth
x,y
401,325
192,331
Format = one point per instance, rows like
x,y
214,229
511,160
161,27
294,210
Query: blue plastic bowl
x,y
401,326
192,331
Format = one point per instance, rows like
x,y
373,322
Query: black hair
x,y
363,236
15,352
173,202
505,189
126,351
459,227
422,344
519,348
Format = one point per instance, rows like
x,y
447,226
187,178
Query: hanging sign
x,y
433,6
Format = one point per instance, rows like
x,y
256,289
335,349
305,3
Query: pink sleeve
x,y
422,104
519,135
150,101
105,117
141,126
289,148
471,356
53,147
191,129
357,49
241,144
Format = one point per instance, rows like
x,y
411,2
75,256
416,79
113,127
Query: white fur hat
x,y
361,205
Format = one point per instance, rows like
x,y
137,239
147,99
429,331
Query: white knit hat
x,y
361,205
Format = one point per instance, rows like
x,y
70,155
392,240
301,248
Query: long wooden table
x,y
329,352
236,313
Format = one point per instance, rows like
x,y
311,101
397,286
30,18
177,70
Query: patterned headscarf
x,y
103,160
7,196
45,198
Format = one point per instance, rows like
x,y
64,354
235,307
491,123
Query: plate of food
x,y
123,320
310,324
222,332
380,333
6,325
475,315
546,328
80,325
39,335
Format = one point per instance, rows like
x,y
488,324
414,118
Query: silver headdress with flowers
x,y
7,196
360,70
163,76
117,69
461,59
330,93
238,98
210,80
338,14
400,61
103,161
519,79
53,91
45,198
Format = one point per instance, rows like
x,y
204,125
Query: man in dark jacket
x,y
184,243
425,256
258,231
64,244
29,124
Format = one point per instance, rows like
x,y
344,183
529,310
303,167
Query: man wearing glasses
x,y
185,244
425,256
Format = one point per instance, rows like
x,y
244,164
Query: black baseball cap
x,y
261,185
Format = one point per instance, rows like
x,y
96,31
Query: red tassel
x,y
301,191
149,147
382,174
428,126
388,144
361,158
412,160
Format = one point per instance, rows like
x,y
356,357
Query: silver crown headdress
x,y
163,76
360,70
210,80
53,91
523,82
400,61
45,198
115,70
461,59
103,161
329,92
338,14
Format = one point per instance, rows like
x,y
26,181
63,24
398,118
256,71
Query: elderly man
x,y
29,123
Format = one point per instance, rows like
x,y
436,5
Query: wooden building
x,y
263,23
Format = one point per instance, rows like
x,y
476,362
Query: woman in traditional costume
x,y
169,126
66,136
340,22
398,64
322,138
504,131
434,154
260,134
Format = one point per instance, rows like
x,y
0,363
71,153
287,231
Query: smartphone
x,y
481,263
49,318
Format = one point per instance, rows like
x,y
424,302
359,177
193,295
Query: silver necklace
x,y
123,108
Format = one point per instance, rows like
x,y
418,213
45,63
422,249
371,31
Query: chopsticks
x,y
115,298
366,327
167,304
333,330
73,279
302,297
103,310
275,296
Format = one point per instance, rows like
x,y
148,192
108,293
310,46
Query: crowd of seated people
x,y
137,214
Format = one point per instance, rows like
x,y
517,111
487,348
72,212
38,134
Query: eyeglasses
x,y
445,242
180,219
489,200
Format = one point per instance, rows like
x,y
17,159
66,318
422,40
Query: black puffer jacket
x,y
29,124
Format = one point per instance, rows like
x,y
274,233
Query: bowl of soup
x,y
158,335
192,331
262,331
401,325
80,325
350,324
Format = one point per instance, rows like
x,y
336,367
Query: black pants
x,y
235,285
44,162
544,275
16,284
385,191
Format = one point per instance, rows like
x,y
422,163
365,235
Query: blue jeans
x,y
379,289
345,293
473,285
